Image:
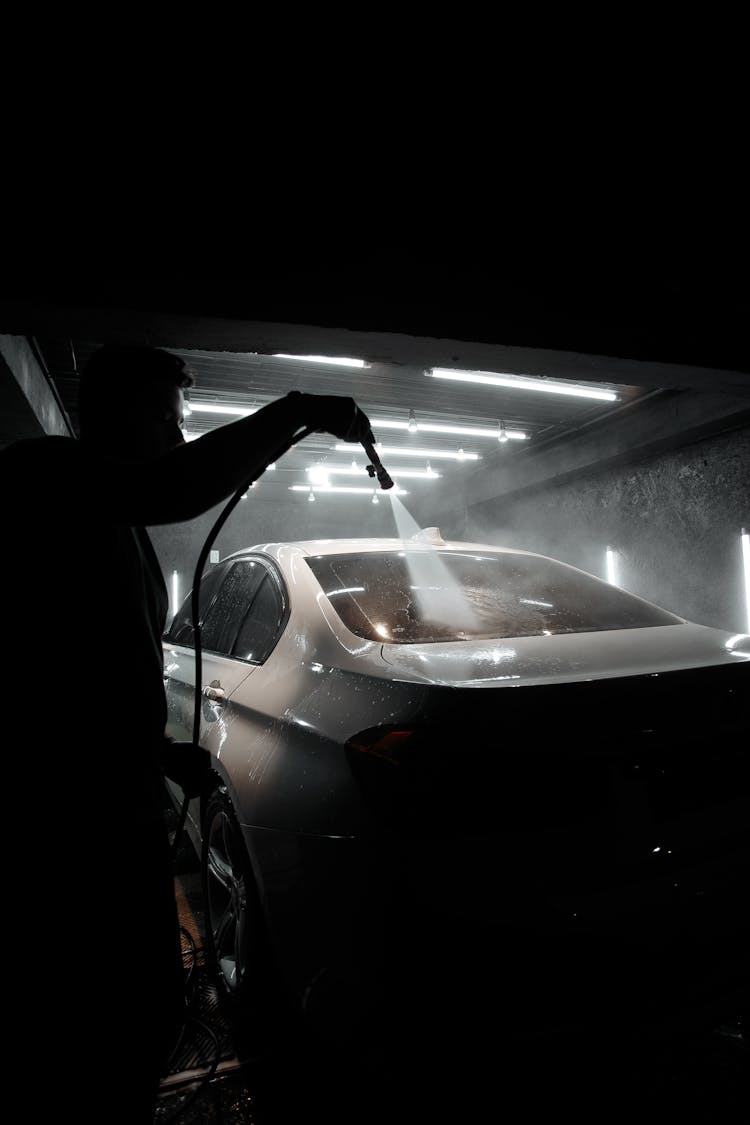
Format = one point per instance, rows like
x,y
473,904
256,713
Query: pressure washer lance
x,y
376,468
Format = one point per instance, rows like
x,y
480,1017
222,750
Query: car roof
x,y
429,539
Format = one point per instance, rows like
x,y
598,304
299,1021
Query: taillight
x,y
384,762
392,746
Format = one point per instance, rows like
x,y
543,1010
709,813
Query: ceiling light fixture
x,y
343,488
317,474
521,383
219,408
339,361
416,474
441,428
404,451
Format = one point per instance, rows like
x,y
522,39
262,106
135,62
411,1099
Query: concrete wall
x,y
673,519
29,405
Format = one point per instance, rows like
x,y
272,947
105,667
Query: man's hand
x,y
336,414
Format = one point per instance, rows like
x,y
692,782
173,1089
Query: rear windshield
x,y
416,596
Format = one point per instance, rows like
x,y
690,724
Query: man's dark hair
x,y
114,369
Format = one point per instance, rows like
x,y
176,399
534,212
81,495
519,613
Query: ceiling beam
x,y
30,407
211,333
643,429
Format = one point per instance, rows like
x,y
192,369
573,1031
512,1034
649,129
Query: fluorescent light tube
x,y
611,569
745,537
328,470
521,383
338,360
326,488
439,428
404,451
216,408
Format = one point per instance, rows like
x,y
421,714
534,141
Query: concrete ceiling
x,y
650,343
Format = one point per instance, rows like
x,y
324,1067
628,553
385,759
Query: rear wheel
x,y
238,948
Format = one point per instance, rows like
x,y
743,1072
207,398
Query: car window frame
x,y
274,573
359,624
167,636
277,578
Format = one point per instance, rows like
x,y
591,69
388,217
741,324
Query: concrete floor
x,y
457,1075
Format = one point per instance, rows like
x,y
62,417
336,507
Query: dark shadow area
x,y
456,1042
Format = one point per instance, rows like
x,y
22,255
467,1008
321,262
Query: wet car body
x,y
553,823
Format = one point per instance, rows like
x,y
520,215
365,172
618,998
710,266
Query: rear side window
x,y
230,604
260,629
225,594
417,596
181,629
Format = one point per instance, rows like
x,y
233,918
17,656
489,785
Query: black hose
x,y
385,482
195,596
205,1078
180,826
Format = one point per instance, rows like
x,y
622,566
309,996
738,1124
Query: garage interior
x,y
606,425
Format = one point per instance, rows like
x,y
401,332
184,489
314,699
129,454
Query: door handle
x,y
215,694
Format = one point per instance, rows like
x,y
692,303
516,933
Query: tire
x,y
238,949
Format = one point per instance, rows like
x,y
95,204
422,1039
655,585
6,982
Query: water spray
x,y
376,468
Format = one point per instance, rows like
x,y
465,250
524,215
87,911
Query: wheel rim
x,y
226,895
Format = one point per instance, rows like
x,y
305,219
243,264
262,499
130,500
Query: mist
x,y
439,597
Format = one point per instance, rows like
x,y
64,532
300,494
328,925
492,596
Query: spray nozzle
x,y
376,469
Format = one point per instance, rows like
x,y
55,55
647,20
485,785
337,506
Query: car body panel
x,y
537,812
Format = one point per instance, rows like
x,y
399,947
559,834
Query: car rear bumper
x,y
396,933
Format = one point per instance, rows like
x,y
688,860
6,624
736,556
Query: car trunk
x,y
552,756
595,832
564,657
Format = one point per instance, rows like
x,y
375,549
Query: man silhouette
x,y
93,921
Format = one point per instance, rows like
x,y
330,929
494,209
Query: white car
x,y
455,762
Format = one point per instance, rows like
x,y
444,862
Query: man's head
x,y
130,401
